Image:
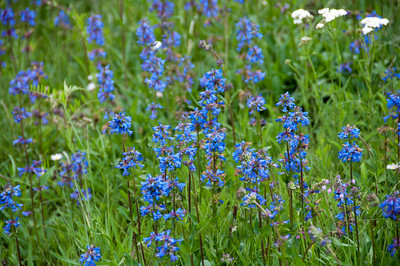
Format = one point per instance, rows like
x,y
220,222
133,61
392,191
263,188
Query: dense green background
x,y
332,100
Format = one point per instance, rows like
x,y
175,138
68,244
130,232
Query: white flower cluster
x,y
372,23
299,15
331,14
304,40
393,166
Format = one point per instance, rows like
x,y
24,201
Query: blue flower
x,y
28,16
212,178
97,53
286,101
167,244
349,132
22,141
92,254
345,68
7,17
121,124
390,74
392,248
164,9
9,224
391,206
161,134
255,55
350,153
62,20
209,8
85,193
20,114
252,197
145,33
106,84
94,30
7,198
131,159
256,103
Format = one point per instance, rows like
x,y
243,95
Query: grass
x,y
309,73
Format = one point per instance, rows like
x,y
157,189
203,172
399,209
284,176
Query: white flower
x,y
90,77
331,14
393,166
371,23
91,86
304,40
156,45
320,26
56,157
299,15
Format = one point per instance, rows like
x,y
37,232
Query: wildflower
x,y
256,103
85,193
94,29
28,16
390,73
145,33
106,84
252,197
7,198
331,14
286,101
209,8
22,141
392,248
350,152
304,40
97,53
320,26
92,254
120,124
372,23
393,166
227,258
167,244
9,224
345,68
62,20
349,132
300,15
131,159
20,114
391,206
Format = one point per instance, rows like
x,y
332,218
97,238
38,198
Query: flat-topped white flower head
x,y
393,166
372,23
299,15
331,14
56,157
320,26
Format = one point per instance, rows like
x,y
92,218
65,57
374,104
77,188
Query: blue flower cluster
x,y
74,170
85,195
91,256
393,104
345,201
106,86
28,16
131,159
350,151
167,244
7,201
7,18
62,20
156,188
390,73
295,160
94,30
247,33
391,206
21,83
120,124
